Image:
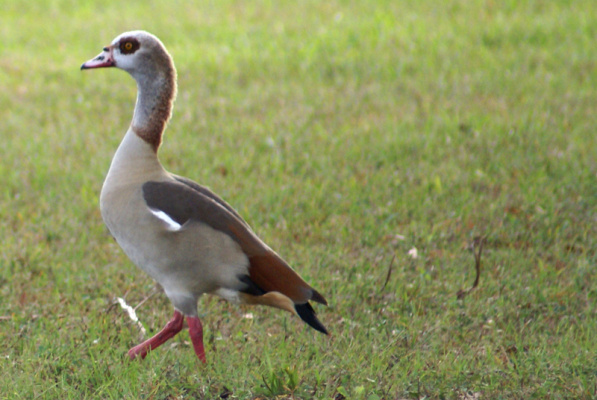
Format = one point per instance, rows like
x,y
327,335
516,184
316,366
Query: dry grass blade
x,y
389,273
478,243
477,249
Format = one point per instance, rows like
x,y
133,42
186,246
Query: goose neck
x,y
154,106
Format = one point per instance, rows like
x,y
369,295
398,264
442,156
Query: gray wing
x,y
267,271
183,201
206,192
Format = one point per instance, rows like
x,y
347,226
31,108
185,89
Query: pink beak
x,y
103,60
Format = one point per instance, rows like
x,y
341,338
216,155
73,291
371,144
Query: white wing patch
x,y
172,225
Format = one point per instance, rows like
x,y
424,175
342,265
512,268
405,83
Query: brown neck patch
x,y
149,136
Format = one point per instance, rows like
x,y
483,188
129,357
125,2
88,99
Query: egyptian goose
x,y
180,233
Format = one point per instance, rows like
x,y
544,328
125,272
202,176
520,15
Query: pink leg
x,y
169,331
196,333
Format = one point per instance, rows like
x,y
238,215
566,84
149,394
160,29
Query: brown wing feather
x,y
272,274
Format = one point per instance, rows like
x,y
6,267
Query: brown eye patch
x,y
129,45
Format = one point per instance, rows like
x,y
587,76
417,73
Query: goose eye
x,y
129,46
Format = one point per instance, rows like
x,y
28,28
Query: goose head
x,y
137,52
144,57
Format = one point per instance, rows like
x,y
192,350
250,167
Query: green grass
x,y
347,133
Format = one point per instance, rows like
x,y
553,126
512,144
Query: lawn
x,y
378,146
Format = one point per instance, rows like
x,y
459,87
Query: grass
x,y
347,134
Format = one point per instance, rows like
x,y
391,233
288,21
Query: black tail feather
x,y
305,311
307,314
251,288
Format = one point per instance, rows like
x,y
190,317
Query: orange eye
x,y
129,45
